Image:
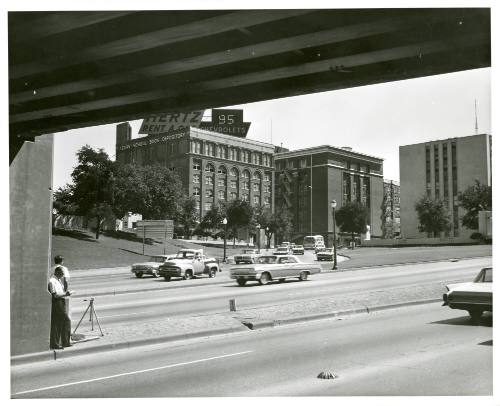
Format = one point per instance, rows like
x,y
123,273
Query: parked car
x,y
150,267
281,251
319,247
475,297
268,268
325,255
188,264
247,256
298,250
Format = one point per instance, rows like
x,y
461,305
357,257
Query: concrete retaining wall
x,y
30,187
416,241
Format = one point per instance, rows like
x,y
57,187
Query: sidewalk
x,y
180,328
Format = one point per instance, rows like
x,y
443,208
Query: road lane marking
x,y
131,373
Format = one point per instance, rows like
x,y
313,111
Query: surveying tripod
x,y
93,314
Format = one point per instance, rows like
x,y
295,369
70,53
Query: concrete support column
x,y
30,176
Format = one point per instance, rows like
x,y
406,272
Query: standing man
x,y
59,259
60,323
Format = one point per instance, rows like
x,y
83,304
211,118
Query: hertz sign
x,y
168,122
228,122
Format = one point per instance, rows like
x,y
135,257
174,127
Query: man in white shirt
x,y
60,323
58,260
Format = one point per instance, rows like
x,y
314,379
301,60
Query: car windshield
x,y
185,254
486,275
266,260
298,247
282,249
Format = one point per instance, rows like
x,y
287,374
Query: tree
x,y
278,223
93,184
212,221
63,200
187,216
239,214
433,215
474,199
352,218
153,191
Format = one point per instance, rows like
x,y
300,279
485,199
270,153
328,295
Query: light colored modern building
x,y
307,180
441,169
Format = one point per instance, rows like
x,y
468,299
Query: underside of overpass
x,y
71,70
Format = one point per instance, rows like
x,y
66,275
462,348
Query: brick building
x,y
211,166
391,206
307,180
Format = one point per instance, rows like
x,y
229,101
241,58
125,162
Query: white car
x,y
268,268
475,297
152,266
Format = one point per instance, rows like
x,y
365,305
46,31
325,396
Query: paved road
x,y
419,350
212,298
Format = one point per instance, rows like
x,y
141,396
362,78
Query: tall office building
x,y
441,169
307,180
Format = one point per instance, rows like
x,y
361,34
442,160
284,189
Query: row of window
x,y
209,168
233,185
306,162
232,153
233,196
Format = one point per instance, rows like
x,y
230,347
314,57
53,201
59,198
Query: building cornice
x,y
326,149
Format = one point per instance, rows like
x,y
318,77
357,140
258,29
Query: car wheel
x,y
475,315
303,276
265,278
241,282
138,274
212,273
282,280
188,275
167,278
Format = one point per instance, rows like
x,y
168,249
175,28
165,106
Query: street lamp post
x,y
258,238
224,221
334,205
267,236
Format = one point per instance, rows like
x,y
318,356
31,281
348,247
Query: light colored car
x,y
475,297
274,267
319,247
247,256
188,264
298,250
325,255
281,251
150,267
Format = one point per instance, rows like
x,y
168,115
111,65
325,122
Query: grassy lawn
x,y
373,256
82,251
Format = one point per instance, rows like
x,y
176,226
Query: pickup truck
x,y
187,264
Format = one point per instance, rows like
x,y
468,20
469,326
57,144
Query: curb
x,y
68,353
246,324
322,316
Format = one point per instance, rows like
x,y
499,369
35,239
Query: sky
x,y
373,120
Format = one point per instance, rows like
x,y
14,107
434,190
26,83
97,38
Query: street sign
x,y
227,121
156,230
163,123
